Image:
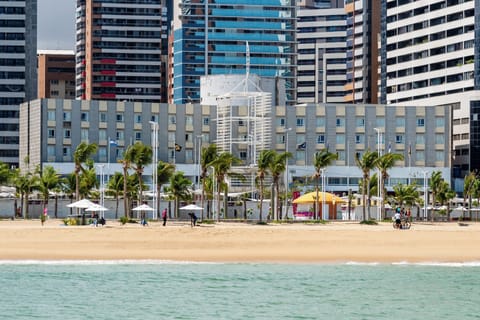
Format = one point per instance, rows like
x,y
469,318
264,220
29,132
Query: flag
x,y
178,147
302,146
410,149
113,143
389,147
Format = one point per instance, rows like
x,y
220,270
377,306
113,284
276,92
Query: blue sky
x,y
56,24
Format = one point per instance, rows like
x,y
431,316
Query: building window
x,y
340,122
439,139
420,139
206,121
120,136
67,116
172,119
321,139
281,122
189,120
420,122
66,133
119,153
399,138
138,136
360,122
359,139
439,122
51,133
380,122
300,122
84,116
138,118
103,117
102,134
51,115
420,155
51,151
54,82
320,122
54,93
243,155
171,137
188,155
280,139
154,118
400,122
119,117
341,155
439,155
340,139
102,154
300,155
66,152
84,135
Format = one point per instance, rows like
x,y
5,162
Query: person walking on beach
x,y
164,216
193,219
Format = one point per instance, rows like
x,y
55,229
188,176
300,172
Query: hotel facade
x,y
420,134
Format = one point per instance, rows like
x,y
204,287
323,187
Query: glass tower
x,y
220,36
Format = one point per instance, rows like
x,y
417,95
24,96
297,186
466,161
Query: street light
x,y
102,187
199,137
154,166
322,171
425,194
379,191
287,130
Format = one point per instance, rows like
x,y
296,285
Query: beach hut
x,y
331,201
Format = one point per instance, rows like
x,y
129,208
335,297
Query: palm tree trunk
x,y
316,213
56,207
159,187
261,199
116,206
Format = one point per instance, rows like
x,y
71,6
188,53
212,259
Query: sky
x,y
56,24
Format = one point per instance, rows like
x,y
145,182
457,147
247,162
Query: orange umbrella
x,y
311,198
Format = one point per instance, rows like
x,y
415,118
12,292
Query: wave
x,y
426,263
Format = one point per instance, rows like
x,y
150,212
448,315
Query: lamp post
x,y
199,137
322,171
102,187
425,194
379,191
287,130
154,166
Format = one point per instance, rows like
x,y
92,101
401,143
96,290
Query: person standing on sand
x,y
164,216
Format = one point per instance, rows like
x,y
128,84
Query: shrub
x,y
123,220
369,222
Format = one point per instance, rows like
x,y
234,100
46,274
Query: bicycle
x,y
404,224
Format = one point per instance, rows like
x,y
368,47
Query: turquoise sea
x,y
163,290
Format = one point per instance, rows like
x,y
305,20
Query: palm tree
x,y
469,189
82,153
445,194
222,165
321,160
435,185
165,171
68,186
139,155
24,186
264,160
406,195
385,163
208,154
49,180
277,167
366,163
115,186
179,188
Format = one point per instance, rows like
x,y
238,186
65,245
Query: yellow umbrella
x,y
311,198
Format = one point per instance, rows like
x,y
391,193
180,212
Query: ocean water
x,y
162,290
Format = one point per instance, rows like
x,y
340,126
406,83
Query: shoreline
x,y
331,243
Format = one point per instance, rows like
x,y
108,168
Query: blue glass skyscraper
x,y
215,37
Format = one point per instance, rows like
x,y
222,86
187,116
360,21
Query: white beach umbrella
x,y
191,207
82,204
143,207
96,207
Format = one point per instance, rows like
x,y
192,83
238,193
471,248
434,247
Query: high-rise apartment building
x,y
223,37
119,49
429,49
321,52
429,57
56,74
18,45
363,33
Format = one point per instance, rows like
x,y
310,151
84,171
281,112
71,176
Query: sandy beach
x,y
236,242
